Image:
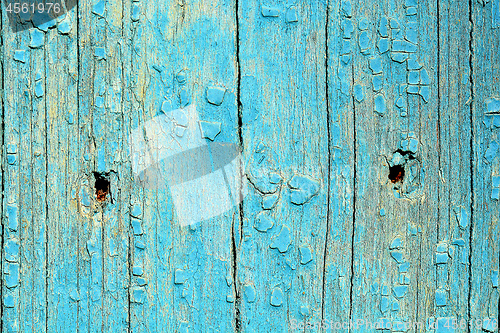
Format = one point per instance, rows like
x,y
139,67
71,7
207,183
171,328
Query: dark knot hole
x,y
102,186
396,173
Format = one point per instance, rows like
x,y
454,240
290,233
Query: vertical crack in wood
x,y
355,158
78,64
234,256
325,252
46,193
127,195
471,82
438,55
2,57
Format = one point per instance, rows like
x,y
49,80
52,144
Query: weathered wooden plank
x,y
338,254
63,153
108,243
143,293
450,92
24,183
172,65
384,281
397,155
89,233
3,160
32,186
285,139
110,142
485,107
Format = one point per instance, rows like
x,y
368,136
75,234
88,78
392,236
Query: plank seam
x,y
46,196
471,114
3,169
438,23
234,257
77,10
355,158
129,197
325,252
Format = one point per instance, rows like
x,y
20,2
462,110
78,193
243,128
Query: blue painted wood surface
x,y
369,131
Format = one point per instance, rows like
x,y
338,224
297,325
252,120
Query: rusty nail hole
x,y
396,173
101,186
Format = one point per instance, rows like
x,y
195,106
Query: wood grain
x,y
369,135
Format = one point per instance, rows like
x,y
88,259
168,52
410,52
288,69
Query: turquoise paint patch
x,y
376,65
403,267
39,89
263,222
12,217
458,242
269,201
291,15
377,82
37,38
136,226
215,95
384,304
136,211
12,278
8,301
495,14
380,107
20,55
100,53
398,256
396,243
363,24
283,240
269,11
364,41
358,93
346,8
440,298
494,278
400,291
302,189
64,27
399,56
141,281
138,295
210,130
137,270
306,254
441,258
491,152
347,28
277,297
424,77
382,28
250,294
383,45
180,276
99,8
11,249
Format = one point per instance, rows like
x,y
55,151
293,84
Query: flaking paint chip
x,y
210,130
269,11
215,95
291,15
277,297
